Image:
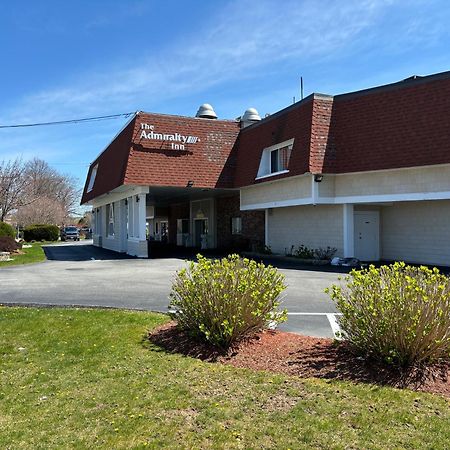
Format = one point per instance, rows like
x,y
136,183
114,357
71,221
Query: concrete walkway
x,y
81,274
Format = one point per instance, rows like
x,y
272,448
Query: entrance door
x,y
200,228
164,230
367,235
182,232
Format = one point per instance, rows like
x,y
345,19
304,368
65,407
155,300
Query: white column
x,y
141,216
314,190
349,231
104,219
123,225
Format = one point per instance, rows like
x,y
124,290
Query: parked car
x,y
70,233
87,232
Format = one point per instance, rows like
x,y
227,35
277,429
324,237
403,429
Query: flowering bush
x,y
225,300
397,313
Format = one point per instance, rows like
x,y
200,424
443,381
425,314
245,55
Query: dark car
x,y
70,233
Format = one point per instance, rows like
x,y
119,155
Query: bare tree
x,y
14,187
47,182
35,192
42,210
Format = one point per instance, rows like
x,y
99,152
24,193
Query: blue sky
x,y
66,60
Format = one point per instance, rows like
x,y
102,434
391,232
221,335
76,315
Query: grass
x,y
33,254
80,378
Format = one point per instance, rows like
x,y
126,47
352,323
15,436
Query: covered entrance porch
x,y
149,221
182,218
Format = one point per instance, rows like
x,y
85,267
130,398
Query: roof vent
x,y
413,77
250,116
206,111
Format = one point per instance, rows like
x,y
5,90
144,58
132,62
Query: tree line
x,y
33,192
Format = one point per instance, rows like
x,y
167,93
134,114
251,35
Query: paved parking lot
x,y
81,274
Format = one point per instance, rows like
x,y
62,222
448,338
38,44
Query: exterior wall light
x,y
318,178
126,202
137,198
189,184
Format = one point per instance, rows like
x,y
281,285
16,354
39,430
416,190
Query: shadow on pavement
x,y
77,252
190,254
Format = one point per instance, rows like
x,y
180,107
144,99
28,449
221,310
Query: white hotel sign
x,y
177,140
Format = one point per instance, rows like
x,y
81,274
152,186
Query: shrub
x,y
263,249
398,314
304,252
41,233
8,244
7,230
225,300
325,253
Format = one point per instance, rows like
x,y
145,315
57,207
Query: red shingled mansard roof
x,y
132,159
404,124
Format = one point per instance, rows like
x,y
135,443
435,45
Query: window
x,y
111,220
92,178
275,159
236,225
131,221
279,159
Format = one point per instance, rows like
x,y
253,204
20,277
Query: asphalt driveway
x,y
80,274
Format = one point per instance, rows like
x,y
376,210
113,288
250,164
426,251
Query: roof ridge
x,y
187,117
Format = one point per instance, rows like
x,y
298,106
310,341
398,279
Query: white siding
x,y
138,248
401,181
416,232
313,226
276,191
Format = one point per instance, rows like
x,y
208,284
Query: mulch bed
x,y
303,356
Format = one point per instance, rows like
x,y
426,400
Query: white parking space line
x,y
308,314
334,325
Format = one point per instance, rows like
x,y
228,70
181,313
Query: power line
x,y
72,121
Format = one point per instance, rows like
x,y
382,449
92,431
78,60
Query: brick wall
x,y
252,225
322,142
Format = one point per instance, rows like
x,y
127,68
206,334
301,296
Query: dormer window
x,y
275,159
92,178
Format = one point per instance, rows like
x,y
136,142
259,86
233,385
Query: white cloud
x,y
241,42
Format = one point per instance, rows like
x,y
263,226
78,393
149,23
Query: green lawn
x,y
30,255
78,378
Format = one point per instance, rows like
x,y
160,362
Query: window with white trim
x,y
130,217
92,178
236,225
275,159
